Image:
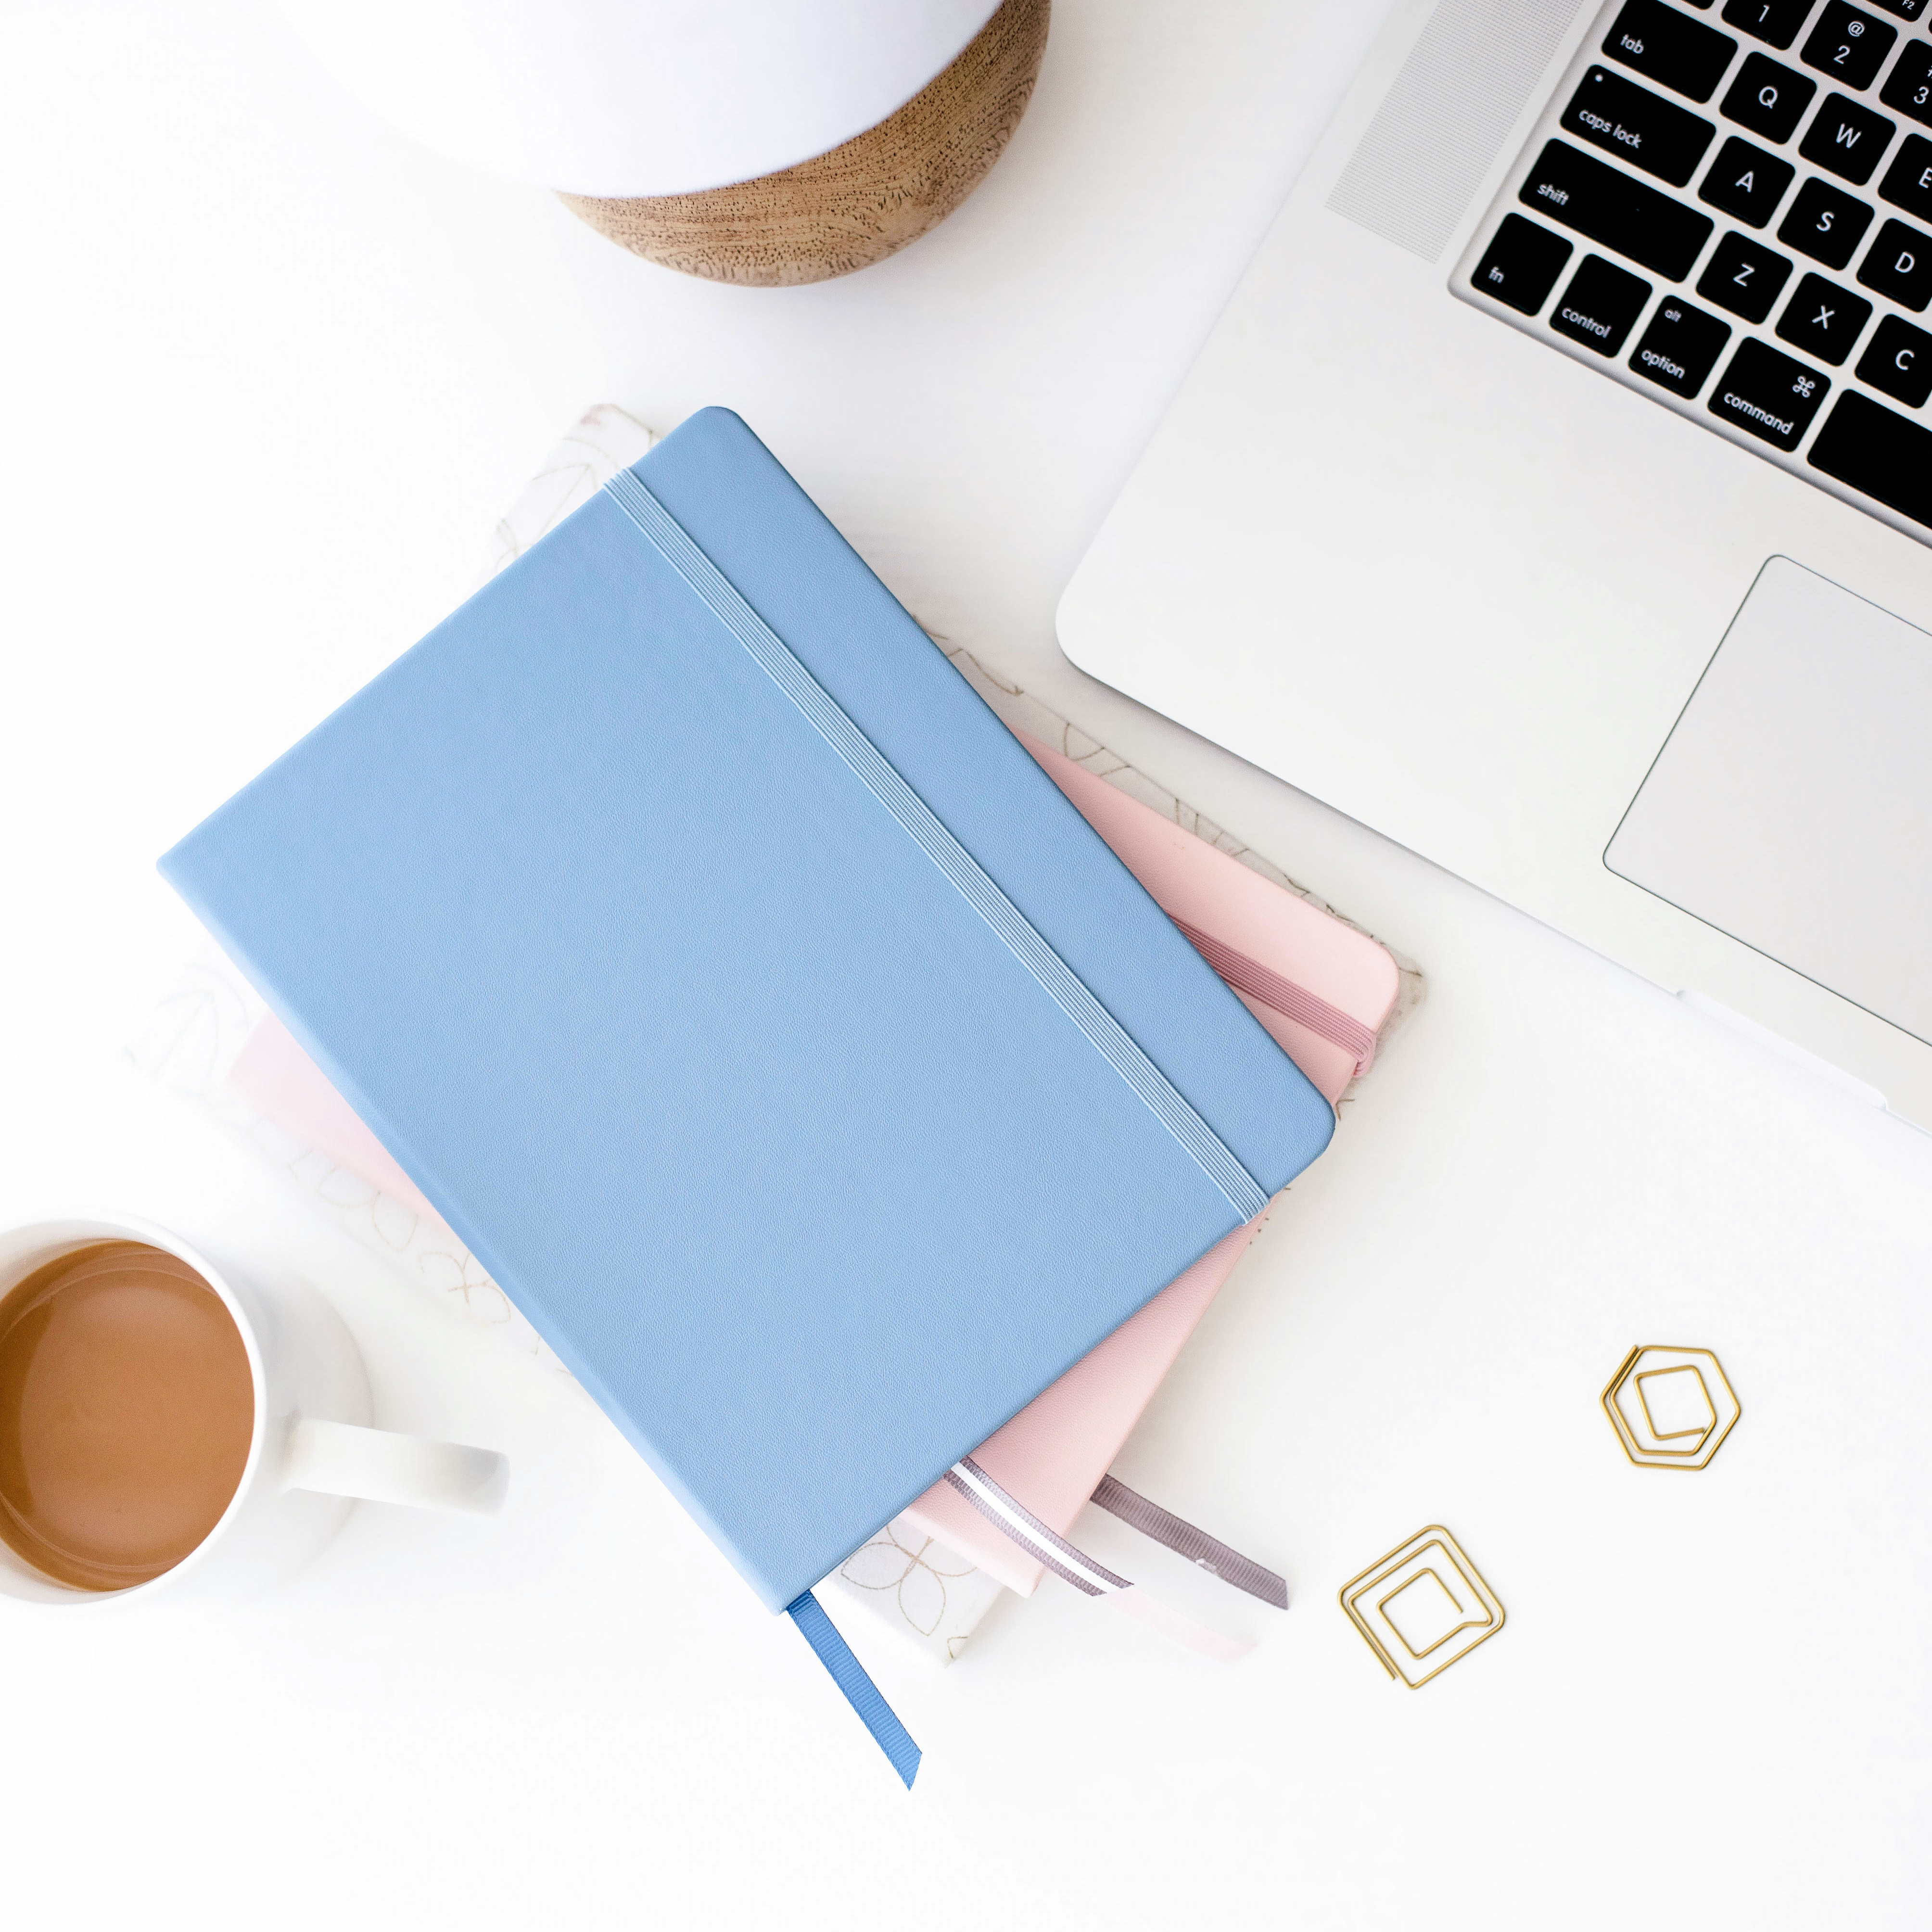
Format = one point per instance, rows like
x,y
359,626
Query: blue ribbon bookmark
x,y
861,1693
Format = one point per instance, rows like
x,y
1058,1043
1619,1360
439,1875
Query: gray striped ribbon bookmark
x,y
1093,1578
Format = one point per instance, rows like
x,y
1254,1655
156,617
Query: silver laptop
x,y
1555,494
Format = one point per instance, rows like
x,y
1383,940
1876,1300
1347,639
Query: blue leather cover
x,y
695,1047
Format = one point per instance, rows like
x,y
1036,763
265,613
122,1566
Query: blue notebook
x,y
732,883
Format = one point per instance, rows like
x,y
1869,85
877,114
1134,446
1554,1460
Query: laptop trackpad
x,y
1791,806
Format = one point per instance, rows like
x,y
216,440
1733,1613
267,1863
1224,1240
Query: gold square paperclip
x,y
1423,1606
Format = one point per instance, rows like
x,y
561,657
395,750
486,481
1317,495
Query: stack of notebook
x,y
755,1064
1323,990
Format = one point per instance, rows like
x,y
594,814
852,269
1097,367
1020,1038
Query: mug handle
x,y
340,1458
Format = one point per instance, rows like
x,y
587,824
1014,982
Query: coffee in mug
x,y
168,1423
126,1406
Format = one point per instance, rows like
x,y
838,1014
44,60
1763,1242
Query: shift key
x,y
1571,187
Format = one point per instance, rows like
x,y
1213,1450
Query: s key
x,y
1825,223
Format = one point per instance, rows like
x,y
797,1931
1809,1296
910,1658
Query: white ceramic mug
x,y
311,1451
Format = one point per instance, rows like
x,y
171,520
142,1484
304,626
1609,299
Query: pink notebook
x,y
1323,990
1320,987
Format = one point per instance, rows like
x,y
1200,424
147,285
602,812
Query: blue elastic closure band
x,y
861,1693
968,877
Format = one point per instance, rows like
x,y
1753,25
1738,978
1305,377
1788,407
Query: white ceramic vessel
x,y
310,1452
625,98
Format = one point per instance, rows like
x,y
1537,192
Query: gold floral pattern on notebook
x,y
938,1596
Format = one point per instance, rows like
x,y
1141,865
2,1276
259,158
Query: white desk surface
x,y
269,377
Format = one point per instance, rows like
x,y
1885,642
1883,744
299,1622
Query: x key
x,y
1824,320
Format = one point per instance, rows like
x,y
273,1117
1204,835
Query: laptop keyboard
x,y
1729,208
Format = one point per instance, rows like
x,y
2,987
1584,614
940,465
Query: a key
x,y
1768,99
1899,264
1874,449
1568,186
1681,347
1823,319
1744,277
1649,132
1600,306
1768,395
1847,139
1849,46
1905,9
1908,182
1776,21
1908,87
1898,361
1746,181
1824,223
1521,264
1674,50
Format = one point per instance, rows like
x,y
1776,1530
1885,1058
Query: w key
x,y
1847,139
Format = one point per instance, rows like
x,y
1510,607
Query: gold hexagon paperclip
x,y
1671,1408
1419,1600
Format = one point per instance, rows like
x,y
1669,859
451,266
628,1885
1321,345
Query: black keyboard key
x,y
1768,395
1849,46
1776,21
1899,264
1600,306
1649,132
1825,223
1905,9
1746,181
1908,87
1768,99
1898,361
1521,264
1908,182
1867,445
1677,51
1744,277
1681,347
1847,139
1823,319
1611,207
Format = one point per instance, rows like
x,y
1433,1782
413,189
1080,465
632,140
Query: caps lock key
x,y
1649,132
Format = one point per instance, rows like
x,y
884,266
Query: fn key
x,y
1521,265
